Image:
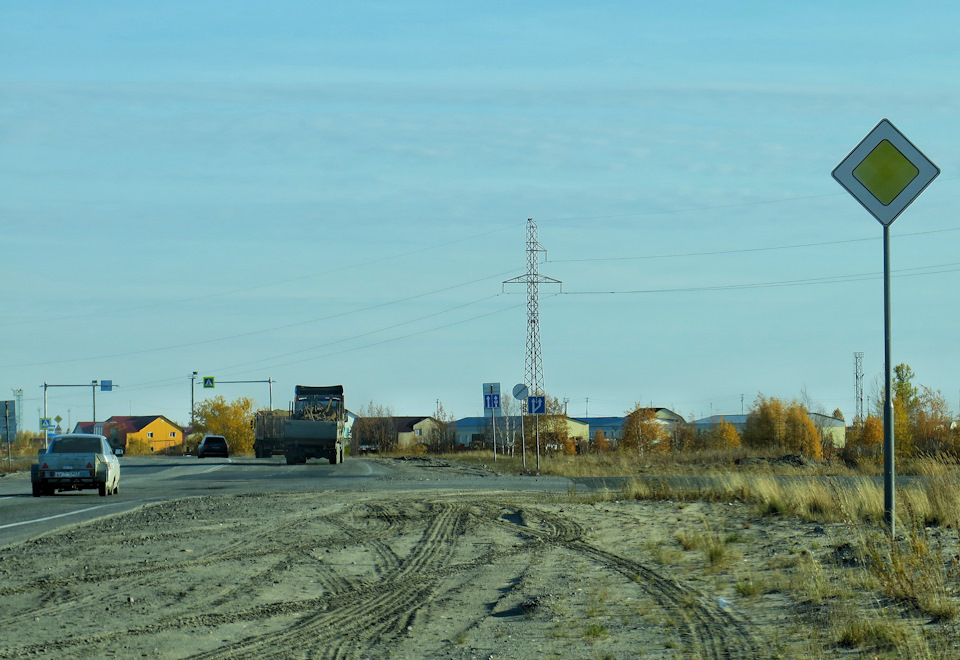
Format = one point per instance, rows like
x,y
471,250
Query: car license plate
x,y
72,473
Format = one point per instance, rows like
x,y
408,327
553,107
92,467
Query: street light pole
x,y
193,380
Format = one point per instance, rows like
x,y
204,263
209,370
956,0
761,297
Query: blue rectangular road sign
x,y
491,400
536,405
106,385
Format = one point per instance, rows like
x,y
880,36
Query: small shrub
x,y
595,631
872,634
749,587
912,571
138,447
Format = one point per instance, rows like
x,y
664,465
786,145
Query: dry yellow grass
x,y
911,579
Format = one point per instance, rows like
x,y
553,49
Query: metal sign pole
x,y
537,417
523,440
6,434
889,479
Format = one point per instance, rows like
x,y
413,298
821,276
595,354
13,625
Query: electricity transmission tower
x,y
858,370
533,375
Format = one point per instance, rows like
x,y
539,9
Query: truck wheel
x,y
102,488
37,490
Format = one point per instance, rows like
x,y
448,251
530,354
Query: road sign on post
x,y
491,395
208,382
491,402
885,173
520,392
536,405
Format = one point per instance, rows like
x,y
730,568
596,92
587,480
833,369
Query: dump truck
x,y
313,427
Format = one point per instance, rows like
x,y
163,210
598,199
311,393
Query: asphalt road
x,y
154,479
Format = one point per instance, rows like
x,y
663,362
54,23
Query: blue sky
x,y
325,193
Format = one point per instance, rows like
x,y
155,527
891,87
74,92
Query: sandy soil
x,y
420,575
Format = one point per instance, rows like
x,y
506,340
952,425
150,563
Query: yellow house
x,y
156,431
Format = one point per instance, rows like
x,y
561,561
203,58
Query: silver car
x,y
76,461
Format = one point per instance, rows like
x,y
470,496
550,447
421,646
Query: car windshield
x,y
76,446
216,441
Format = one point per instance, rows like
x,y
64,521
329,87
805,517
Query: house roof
x,y
85,427
406,424
715,419
826,420
137,423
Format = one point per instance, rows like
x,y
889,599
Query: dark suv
x,y
213,445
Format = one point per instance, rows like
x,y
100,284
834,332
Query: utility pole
x,y
858,384
193,379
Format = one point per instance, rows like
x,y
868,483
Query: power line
x,y
747,250
164,382
267,330
300,278
832,279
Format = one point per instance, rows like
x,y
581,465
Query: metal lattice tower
x,y
533,368
858,370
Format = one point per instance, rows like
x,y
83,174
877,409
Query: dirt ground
x,y
423,575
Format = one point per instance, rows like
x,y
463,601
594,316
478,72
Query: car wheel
x,y
37,490
102,489
116,488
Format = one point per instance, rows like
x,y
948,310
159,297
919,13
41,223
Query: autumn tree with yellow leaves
x,y
724,436
231,420
644,433
772,425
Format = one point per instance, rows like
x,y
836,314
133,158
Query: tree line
x,y
923,425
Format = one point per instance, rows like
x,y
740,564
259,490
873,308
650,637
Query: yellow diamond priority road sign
x,y
885,172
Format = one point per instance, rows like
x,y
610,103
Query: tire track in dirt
x,y
66,595
274,539
710,631
352,622
416,556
